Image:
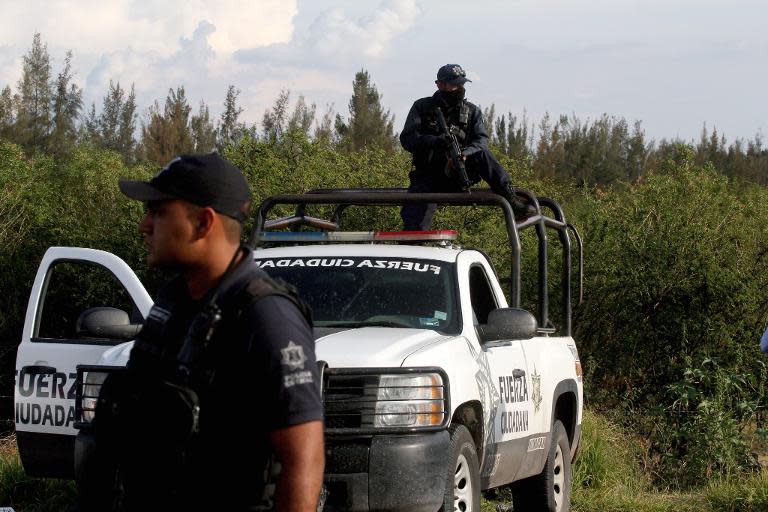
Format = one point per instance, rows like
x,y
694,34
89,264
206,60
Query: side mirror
x,y
104,322
508,324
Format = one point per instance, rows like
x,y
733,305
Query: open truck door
x,y
83,302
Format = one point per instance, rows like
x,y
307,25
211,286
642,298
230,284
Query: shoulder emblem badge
x,y
293,356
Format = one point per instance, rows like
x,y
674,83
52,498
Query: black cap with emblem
x,y
452,74
204,180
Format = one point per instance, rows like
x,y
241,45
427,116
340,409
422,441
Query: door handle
x,y
38,370
518,373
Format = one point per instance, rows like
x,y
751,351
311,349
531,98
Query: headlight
x,y
91,389
410,400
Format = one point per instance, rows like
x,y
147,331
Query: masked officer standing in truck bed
x,y
219,408
422,137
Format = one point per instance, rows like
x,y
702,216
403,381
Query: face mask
x,y
453,98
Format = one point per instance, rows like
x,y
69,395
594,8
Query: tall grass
x,y
739,494
27,494
610,476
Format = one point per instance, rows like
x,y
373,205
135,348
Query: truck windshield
x,y
360,292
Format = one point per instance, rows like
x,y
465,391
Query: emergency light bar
x,y
357,236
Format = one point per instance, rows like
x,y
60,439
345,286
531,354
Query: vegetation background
x,y
675,253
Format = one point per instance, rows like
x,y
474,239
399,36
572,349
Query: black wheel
x,y
549,491
462,486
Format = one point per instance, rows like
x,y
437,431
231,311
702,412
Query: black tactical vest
x,y
148,423
458,116
430,160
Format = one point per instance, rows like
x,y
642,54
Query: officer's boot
x,y
519,208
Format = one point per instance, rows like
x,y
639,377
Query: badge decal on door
x,y
536,392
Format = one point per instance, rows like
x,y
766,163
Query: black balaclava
x,y
453,98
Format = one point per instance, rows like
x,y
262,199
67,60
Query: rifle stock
x,y
454,153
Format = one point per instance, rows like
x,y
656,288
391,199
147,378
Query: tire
x,y
462,485
550,490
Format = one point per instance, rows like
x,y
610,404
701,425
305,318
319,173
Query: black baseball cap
x,y
204,180
452,74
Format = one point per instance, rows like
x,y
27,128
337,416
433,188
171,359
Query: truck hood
x,y
370,347
366,347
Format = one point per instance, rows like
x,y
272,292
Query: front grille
x,y
87,388
351,395
349,400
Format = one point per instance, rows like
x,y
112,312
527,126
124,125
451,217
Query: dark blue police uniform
x,y
423,138
420,136
265,378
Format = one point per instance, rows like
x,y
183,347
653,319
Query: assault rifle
x,y
456,168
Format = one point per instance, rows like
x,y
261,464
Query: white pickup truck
x,y
435,387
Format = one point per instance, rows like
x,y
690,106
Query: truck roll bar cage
x,y
540,222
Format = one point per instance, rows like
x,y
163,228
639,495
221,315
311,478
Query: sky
x,y
672,64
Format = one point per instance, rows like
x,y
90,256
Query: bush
x,y
69,202
676,274
703,433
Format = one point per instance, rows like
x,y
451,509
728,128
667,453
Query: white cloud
x,y
153,73
625,57
147,25
333,33
9,62
242,24
207,45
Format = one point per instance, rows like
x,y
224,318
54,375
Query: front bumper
x,y
387,472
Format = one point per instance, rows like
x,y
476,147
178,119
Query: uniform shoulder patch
x,y
293,356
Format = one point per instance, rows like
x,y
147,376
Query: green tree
x,y
755,165
369,125
89,128
549,151
117,122
15,180
712,148
126,139
323,133
34,115
274,121
203,131
67,102
601,152
167,133
7,113
110,117
302,117
498,133
519,138
638,153
489,121
230,130
510,136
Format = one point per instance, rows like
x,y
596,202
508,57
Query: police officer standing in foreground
x,y
422,137
225,340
